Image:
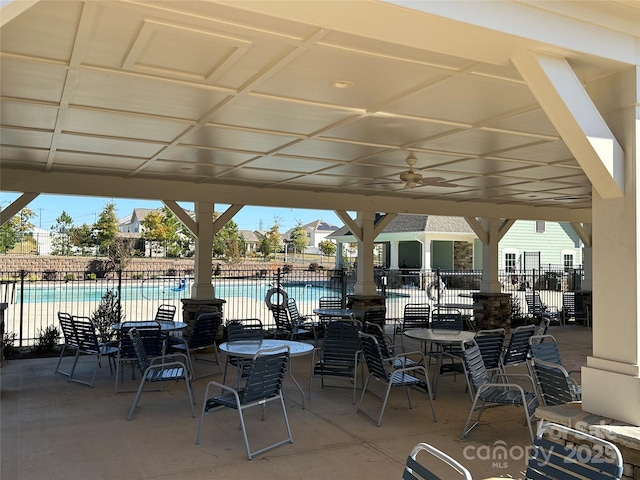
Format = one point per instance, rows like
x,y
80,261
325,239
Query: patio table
x,y
248,348
165,326
441,338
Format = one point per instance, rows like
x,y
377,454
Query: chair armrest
x,y
221,386
514,375
169,358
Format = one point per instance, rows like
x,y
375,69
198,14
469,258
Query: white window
x,y
540,226
567,261
510,259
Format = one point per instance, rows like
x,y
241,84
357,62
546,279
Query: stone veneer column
x,y
495,311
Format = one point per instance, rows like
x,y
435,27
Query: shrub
x,y
47,339
137,276
90,276
107,314
8,349
69,277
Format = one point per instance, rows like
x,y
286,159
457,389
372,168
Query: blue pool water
x,y
163,289
167,289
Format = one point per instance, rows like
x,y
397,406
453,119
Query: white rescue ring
x,y
432,289
281,298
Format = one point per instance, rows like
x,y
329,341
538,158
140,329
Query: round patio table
x,y
440,337
248,348
165,325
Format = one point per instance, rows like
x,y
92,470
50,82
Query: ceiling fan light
x,y
410,184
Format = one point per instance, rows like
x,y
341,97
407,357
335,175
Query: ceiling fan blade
x,y
389,182
437,182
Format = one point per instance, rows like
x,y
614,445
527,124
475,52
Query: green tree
x,y
16,230
9,234
179,238
272,240
228,243
106,227
298,238
327,247
154,228
82,237
62,239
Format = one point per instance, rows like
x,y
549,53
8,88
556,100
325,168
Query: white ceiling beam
x,y
572,112
582,233
382,223
224,218
183,216
504,228
475,225
17,205
355,229
105,186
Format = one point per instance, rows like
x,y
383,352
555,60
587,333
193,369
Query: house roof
x,y
419,224
249,236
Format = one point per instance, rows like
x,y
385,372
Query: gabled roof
x,y
249,236
419,224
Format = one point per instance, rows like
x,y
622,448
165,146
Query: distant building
x,y
251,240
449,243
317,231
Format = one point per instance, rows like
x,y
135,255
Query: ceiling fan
x,y
413,179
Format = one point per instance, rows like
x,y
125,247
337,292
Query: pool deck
x,y
58,430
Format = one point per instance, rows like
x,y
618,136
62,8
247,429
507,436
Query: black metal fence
x,y
34,298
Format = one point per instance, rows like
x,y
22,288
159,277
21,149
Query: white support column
x,y
611,379
203,289
393,254
490,232
365,284
585,232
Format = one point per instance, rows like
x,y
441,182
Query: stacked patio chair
x,y
499,391
301,322
417,470
88,344
340,354
545,348
203,336
242,330
381,370
415,315
554,385
376,315
561,452
447,319
158,370
538,309
263,385
397,352
287,329
517,350
165,313
573,306
153,341
69,338
329,302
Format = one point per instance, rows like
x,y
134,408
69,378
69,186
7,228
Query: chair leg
x,y
466,429
192,400
137,399
244,432
384,403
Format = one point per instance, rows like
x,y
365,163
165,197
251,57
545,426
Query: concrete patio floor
x,y
52,429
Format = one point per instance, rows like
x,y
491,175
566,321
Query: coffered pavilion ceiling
x,y
302,104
